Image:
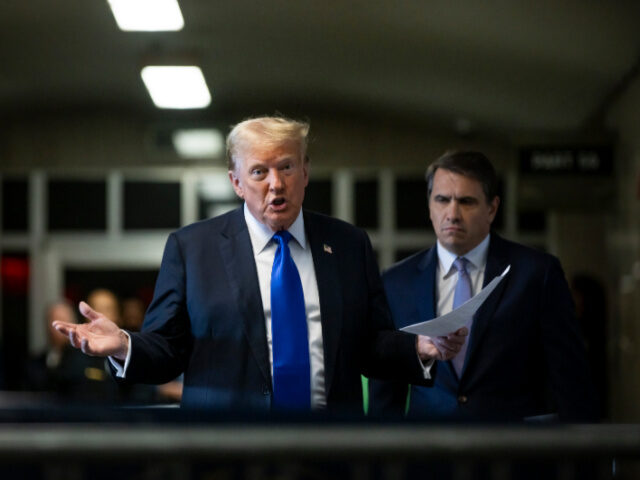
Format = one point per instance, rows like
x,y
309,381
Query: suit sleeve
x,y
569,374
160,352
388,398
392,354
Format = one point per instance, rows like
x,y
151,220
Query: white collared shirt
x,y
264,251
447,275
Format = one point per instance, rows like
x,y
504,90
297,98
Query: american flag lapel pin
x,y
327,248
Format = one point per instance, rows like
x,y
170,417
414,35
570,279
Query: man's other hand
x,y
441,348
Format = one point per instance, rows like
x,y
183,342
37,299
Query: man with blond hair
x,y
268,306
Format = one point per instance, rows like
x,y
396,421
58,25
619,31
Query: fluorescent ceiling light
x,y
147,15
176,87
198,143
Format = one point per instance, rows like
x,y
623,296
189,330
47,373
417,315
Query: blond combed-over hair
x,y
265,132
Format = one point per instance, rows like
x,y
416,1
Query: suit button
x,y
265,389
462,399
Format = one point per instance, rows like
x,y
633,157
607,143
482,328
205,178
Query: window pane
x,y
366,203
215,195
77,205
411,205
151,205
15,205
317,196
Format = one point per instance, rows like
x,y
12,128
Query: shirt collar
x,y
477,257
261,235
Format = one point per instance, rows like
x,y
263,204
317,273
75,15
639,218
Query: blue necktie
x,y
462,293
290,342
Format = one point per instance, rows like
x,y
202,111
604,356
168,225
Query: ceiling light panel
x,y
147,15
199,143
179,87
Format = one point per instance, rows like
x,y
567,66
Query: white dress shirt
x,y
447,275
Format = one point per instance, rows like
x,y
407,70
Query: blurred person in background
x,y
63,373
106,302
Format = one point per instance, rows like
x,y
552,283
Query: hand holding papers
x,y
457,318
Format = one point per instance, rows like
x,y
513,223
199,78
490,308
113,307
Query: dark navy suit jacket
x,y
207,319
525,356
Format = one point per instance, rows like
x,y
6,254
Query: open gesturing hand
x,y
98,337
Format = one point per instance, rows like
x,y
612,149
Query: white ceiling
x,y
508,65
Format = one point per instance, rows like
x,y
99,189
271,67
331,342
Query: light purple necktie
x,y
462,293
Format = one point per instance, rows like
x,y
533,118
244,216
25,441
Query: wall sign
x,y
563,160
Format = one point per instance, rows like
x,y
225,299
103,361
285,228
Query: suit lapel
x,y
496,263
237,255
425,285
329,291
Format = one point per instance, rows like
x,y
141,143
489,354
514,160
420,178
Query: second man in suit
x,y
524,355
